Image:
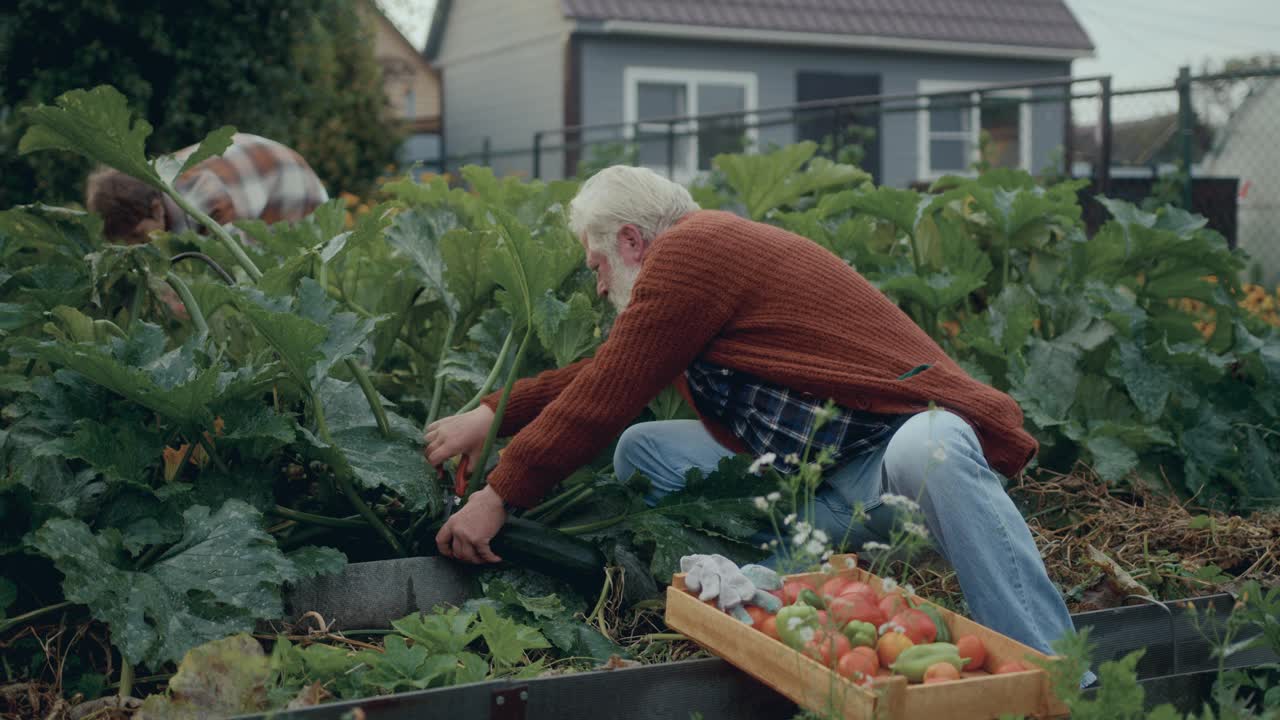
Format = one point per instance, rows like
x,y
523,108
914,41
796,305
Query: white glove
x,y
717,577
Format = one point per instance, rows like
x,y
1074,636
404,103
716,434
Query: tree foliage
x,y
298,71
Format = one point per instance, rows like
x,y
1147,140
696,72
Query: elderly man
x,y
255,178
759,327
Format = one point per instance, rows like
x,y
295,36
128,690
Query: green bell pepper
x,y
797,625
860,634
915,660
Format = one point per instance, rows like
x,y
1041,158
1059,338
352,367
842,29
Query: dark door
x,y
861,124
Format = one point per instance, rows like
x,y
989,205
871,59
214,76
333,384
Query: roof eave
x,y
436,32
835,40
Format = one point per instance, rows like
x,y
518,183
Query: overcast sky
x,y
1139,42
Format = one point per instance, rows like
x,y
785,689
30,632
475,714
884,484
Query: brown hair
x,y
122,201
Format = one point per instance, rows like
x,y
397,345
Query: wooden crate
x,y
812,685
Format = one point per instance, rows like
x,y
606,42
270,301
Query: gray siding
x,y
603,61
503,67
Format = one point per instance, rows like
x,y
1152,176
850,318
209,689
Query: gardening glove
x,y
717,577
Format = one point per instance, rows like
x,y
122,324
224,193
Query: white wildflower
x,y
939,453
819,536
826,568
891,627
850,563
762,462
814,547
773,543
910,590
761,503
800,538
794,622
888,585
916,529
824,413
791,459
826,554
807,633
873,546
764,546
803,527
789,519
774,496
901,501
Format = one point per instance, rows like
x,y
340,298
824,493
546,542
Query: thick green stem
x,y
493,375
321,520
371,395
552,503
595,526
477,475
150,556
135,306
437,391
579,497
126,678
29,616
193,308
344,484
232,245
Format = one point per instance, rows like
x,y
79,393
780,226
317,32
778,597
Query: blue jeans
x,y
934,458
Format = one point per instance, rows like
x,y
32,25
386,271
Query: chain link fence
x,y
1210,144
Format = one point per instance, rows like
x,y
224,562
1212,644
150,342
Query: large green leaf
x,y
50,231
773,180
1149,384
173,386
936,290
1047,388
508,640
223,575
97,124
123,452
169,167
569,330
903,208
418,233
345,331
1012,317
394,463
527,263
467,273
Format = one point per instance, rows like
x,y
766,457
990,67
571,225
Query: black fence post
x,y
836,134
1102,172
537,155
671,149
1186,132
1068,134
486,147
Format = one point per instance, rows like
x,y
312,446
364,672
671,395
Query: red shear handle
x,y
460,477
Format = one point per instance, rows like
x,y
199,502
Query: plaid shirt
x,y
768,418
255,178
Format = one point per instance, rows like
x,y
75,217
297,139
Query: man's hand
x,y
457,435
466,535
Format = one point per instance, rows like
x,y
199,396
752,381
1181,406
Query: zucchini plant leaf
x,y
394,463
506,639
569,330
774,180
441,632
156,615
468,275
96,124
417,233
169,167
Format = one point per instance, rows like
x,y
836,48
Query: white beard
x,y
621,280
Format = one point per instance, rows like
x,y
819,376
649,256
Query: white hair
x,y
623,195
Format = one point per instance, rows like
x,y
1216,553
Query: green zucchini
x,y
533,545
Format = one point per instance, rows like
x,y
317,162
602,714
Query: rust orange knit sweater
x,y
758,299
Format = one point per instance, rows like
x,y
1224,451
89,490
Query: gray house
x,y
512,68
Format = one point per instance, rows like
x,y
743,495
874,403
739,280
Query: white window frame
x,y
686,169
924,163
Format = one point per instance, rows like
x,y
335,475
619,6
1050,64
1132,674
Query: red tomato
x,y
918,625
870,654
791,590
857,587
833,587
827,647
856,666
855,607
891,603
770,627
941,672
971,647
758,615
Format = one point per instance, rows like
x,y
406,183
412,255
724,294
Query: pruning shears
x,y
459,485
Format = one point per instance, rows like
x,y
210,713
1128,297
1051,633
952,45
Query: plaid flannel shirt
x,y
769,418
256,178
